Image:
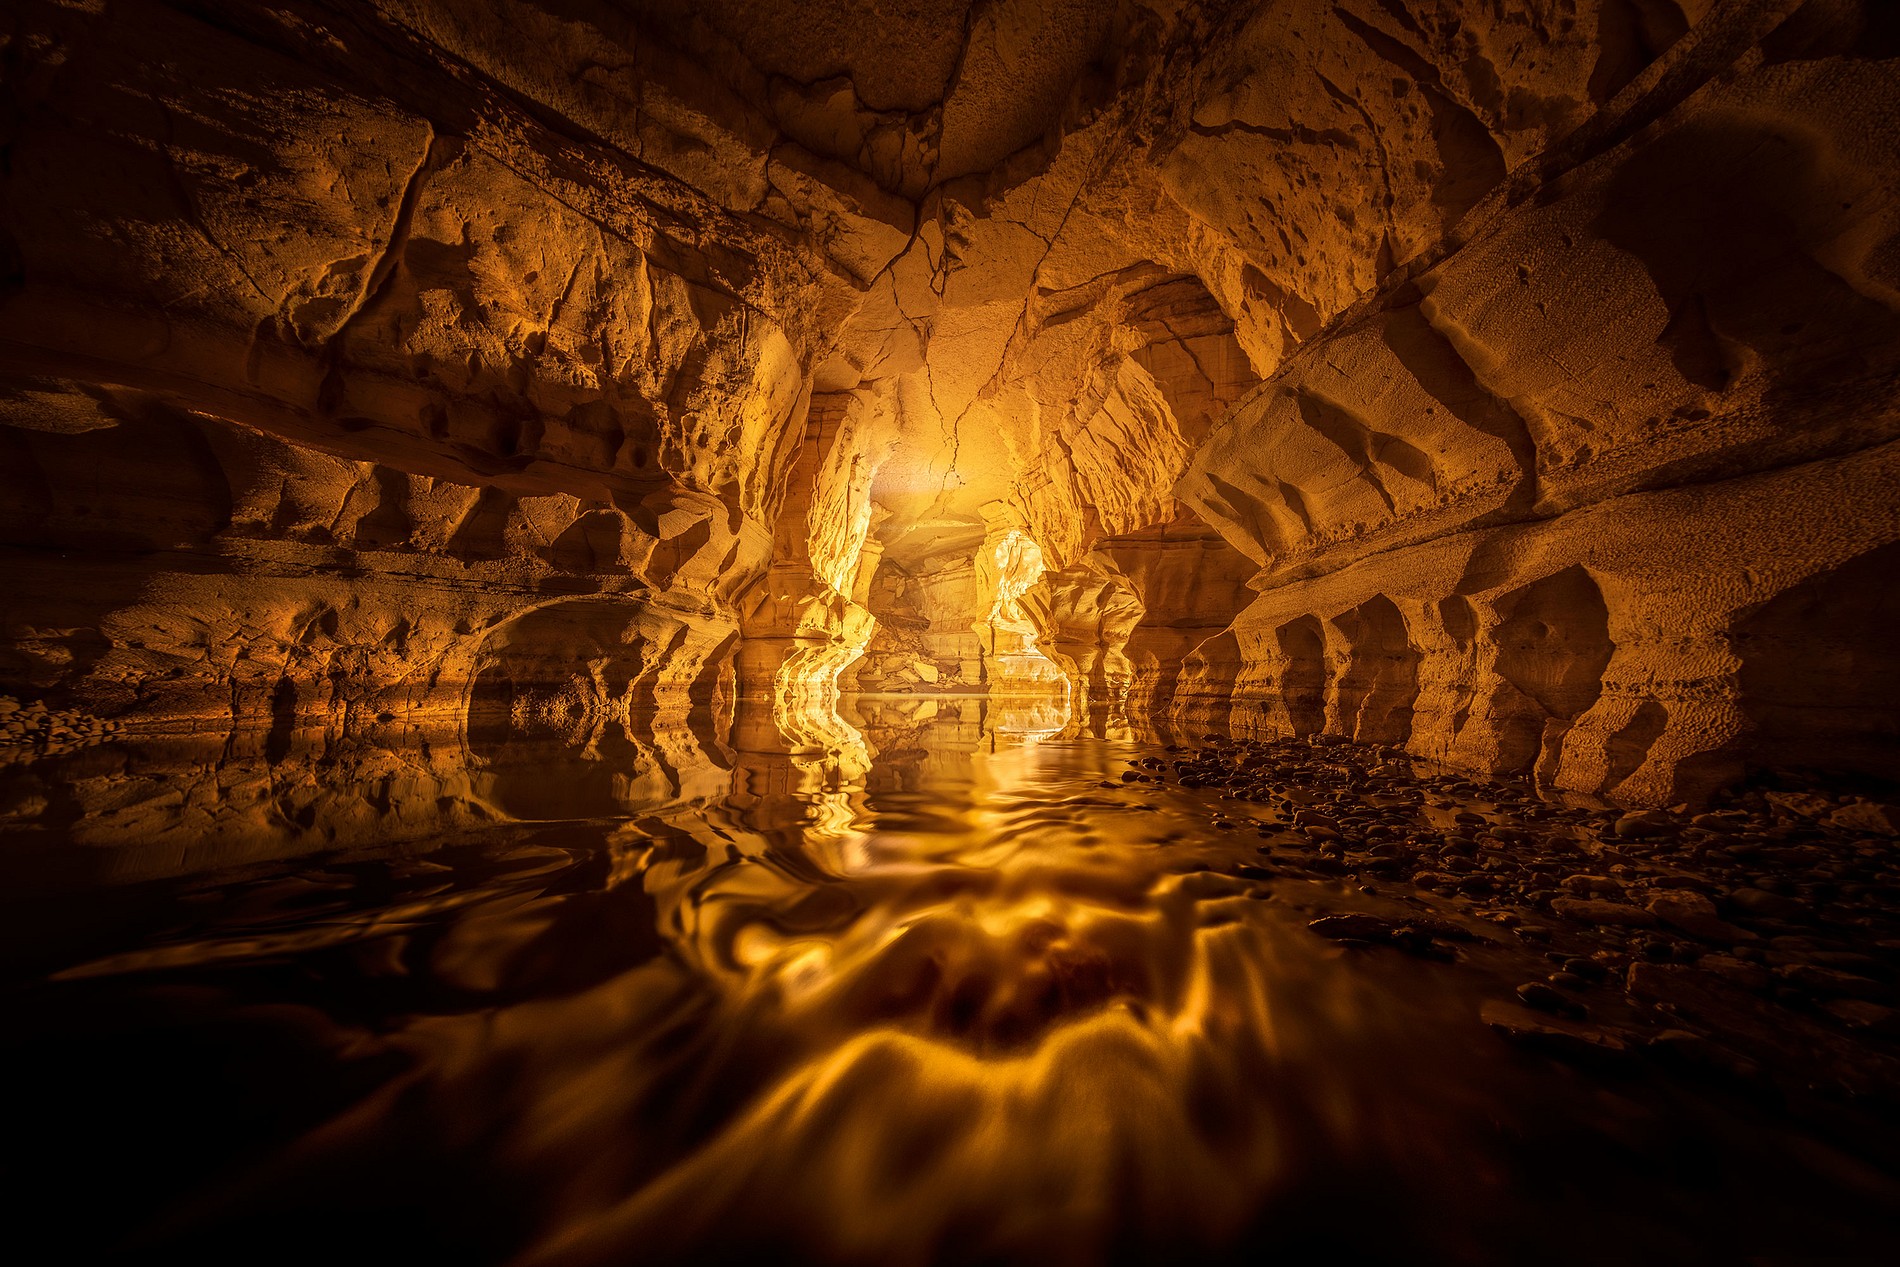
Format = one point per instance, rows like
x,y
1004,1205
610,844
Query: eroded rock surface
x,y
1508,383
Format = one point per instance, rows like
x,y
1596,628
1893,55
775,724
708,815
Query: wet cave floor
x,y
943,983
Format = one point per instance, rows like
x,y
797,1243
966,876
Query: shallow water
x,y
908,987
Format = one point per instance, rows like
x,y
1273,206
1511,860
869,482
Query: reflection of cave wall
x,y
566,668
581,707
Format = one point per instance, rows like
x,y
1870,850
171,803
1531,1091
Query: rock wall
x,y
326,359
926,629
503,359
1129,613
1622,649
174,568
1538,506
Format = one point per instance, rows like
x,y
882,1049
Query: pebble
x,y
1547,998
1775,907
1645,824
1756,901
1743,973
1695,915
1867,816
1595,911
25,723
1831,982
1861,1014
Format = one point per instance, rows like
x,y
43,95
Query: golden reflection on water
x,y
827,752
917,989
956,1014
1042,1018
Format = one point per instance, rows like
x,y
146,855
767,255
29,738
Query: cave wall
x,y
323,358
604,251
1127,616
1421,372
926,635
1635,647
174,568
1524,509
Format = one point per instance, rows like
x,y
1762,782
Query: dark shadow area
x,y
1820,675
1553,645
1379,683
1304,681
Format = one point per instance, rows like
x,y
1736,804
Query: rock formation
x,y
1512,382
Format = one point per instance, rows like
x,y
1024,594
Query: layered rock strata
x,y
1129,613
1551,503
556,364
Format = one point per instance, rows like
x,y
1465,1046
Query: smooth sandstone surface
x,y
1512,383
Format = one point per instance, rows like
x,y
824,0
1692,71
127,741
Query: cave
x,y
957,631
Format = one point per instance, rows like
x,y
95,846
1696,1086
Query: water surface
x,y
901,984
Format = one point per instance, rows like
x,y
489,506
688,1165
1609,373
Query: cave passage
x,y
957,631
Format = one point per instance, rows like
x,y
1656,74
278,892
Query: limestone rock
x,y
1593,911
1695,915
1511,390
1869,816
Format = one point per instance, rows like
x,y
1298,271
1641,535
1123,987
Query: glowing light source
x,y
1032,691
